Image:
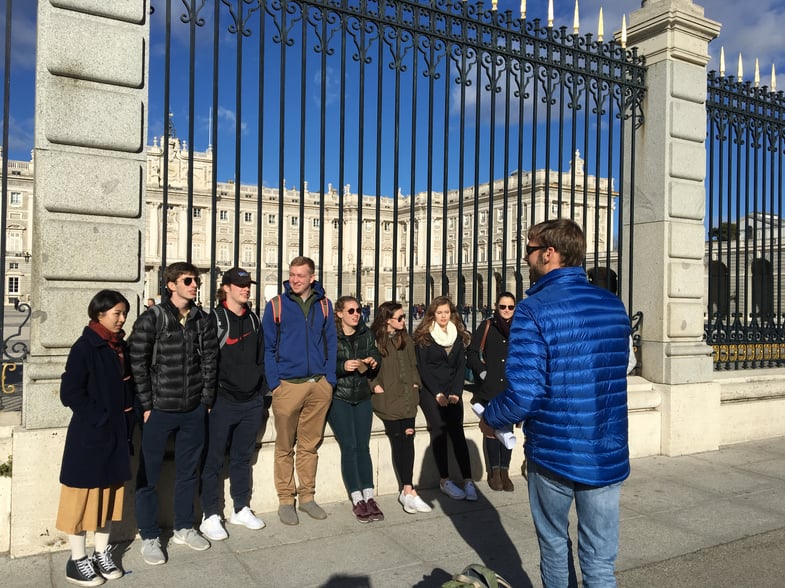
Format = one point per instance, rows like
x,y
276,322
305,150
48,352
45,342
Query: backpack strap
x,y
222,322
161,325
277,321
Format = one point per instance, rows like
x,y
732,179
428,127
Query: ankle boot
x,y
504,476
495,480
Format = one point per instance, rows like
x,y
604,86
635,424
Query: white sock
x,y
77,544
367,493
357,496
102,537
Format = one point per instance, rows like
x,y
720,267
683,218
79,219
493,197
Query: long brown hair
x,y
422,334
384,313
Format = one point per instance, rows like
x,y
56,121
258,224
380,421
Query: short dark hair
x,y
106,300
565,236
174,270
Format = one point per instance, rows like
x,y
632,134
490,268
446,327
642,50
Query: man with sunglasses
x,y
173,352
567,382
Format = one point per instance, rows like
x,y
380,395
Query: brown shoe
x,y
361,512
507,484
495,480
374,511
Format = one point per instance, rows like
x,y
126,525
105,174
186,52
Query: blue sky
x,y
754,32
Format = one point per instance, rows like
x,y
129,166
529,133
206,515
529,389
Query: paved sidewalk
x,y
712,519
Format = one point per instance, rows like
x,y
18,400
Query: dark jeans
x,y
446,421
189,430
402,448
352,427
498,455
235,424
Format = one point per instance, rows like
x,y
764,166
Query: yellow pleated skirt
x,y
88,509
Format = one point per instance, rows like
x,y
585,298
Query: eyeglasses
x,y
189,280
351,310
505,306
398,318
532,248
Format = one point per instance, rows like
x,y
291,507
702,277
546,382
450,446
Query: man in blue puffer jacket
x,y
567,383
300,351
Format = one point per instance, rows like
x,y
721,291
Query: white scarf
x,y
444,339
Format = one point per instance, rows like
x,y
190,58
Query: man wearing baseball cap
x,y
238,411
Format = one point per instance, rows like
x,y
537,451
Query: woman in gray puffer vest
x,y
351,414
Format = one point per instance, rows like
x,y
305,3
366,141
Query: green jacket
x,y
353,386
401,382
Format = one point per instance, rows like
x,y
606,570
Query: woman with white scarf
x,y
440,343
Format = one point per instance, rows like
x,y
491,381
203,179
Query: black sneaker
x,y
104,565
82,573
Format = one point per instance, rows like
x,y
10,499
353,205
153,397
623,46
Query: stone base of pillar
x,y
690,418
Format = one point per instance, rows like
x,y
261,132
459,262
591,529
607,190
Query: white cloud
x,y
230,116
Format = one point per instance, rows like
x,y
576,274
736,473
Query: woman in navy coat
x,y
96,386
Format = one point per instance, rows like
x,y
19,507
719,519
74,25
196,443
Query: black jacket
x,y
183,374
353,386
439,371
495,355
241,359
96,451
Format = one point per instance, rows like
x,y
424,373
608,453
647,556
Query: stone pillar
x,y
90,133
670,198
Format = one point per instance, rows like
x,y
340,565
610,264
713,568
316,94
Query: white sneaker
x,y
417,503
470,490
247,519
212,528
406,503
451,489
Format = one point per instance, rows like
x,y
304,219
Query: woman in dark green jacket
x,y
351,414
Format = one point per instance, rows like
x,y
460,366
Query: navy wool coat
x,y
96,453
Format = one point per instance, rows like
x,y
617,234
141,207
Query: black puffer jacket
x,y
353,386
182,374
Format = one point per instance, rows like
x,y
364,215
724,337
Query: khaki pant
x,y
299,411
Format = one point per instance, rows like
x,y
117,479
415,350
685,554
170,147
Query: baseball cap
x,y
237,276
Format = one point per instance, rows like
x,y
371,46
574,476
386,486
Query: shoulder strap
x,y
160,327
277,321
222,323
277,311
325,307
485,335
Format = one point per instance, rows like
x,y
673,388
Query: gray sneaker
x,y
313,510
151,552
190,538
288,515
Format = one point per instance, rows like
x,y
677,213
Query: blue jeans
x,y
188,429
550,498
235,424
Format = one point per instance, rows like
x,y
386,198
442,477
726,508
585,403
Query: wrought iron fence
x,y
406,145
746,142
14,346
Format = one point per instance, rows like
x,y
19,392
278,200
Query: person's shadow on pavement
x,y
480,526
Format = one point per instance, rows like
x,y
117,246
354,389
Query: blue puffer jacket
x,y
300,346
567,379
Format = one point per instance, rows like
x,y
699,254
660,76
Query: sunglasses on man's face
x,y
506,307
532,248
188,281
351,310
